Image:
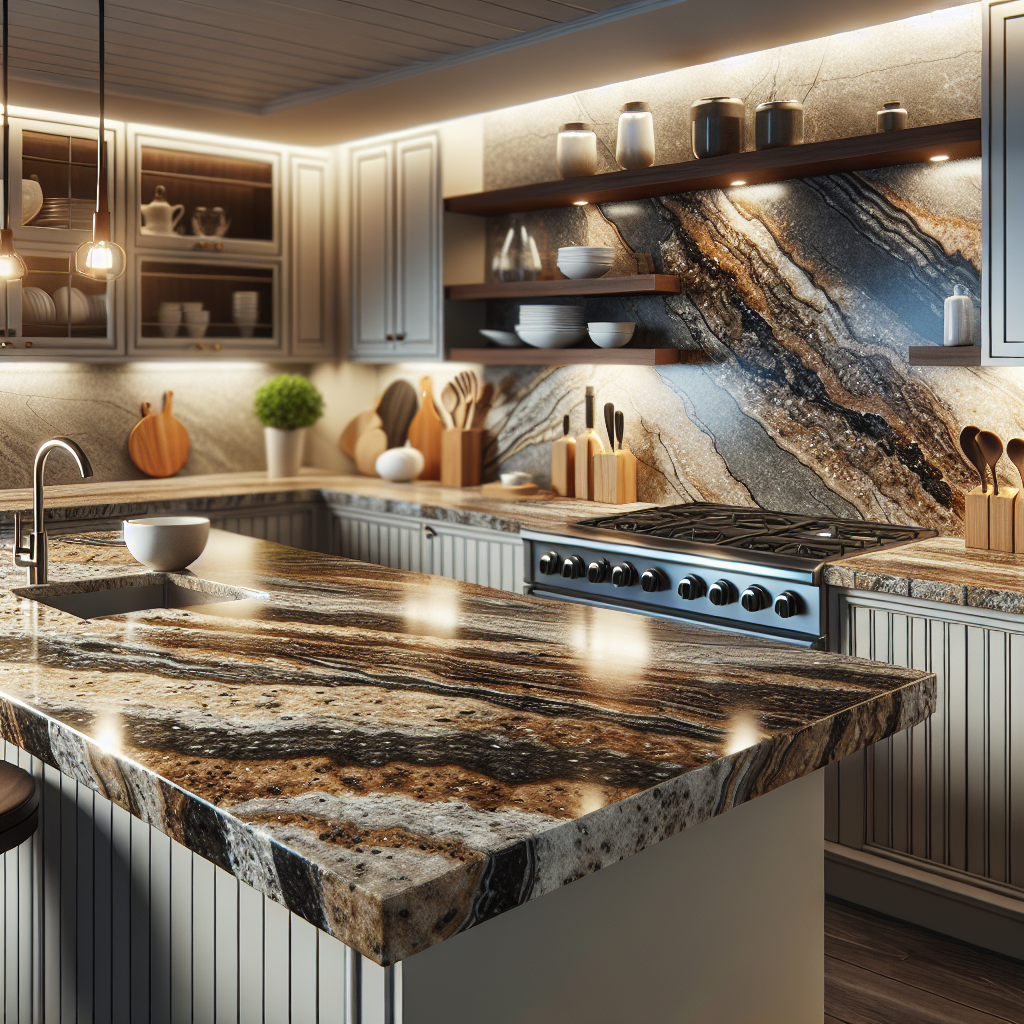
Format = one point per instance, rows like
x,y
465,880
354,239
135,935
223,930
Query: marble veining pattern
x,y
398,758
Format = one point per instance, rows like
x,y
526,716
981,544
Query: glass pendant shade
x,y
12,266
101,260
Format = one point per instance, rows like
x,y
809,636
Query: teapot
x,y
159,217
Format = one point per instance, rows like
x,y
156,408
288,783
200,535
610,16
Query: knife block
x,y
563,467
1018,522
976,519
1001,508
615,477
588,445
462,450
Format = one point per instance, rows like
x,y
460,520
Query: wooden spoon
x,y
1015,453
969,446
991,446
450,401
466,386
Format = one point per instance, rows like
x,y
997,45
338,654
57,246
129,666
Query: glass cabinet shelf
x,y
58,303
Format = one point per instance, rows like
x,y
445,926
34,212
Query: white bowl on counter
x,y
547,337
610,335
167,543
506,339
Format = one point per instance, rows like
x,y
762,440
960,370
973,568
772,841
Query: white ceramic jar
x,y
958,318
634,143
576,150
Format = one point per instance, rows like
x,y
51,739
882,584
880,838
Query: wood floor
x,y
880,971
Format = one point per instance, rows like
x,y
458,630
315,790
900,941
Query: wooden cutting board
x,y
158,443
396,408
371,444
425,432
357,426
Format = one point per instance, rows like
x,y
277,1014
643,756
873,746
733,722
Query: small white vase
x,y
284,451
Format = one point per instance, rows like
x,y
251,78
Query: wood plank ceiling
x,y
265,55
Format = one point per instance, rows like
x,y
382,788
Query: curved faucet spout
x,y
34,557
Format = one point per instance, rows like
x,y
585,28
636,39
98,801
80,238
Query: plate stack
x,y
245,310
552,326
580,261
66,213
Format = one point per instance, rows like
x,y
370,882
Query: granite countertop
x,y
939,569
423,499
399,757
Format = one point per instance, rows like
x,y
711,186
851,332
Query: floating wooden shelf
x,y
638,284
956,140
942,355
576,356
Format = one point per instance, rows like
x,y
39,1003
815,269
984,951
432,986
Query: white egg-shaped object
x,y
399,465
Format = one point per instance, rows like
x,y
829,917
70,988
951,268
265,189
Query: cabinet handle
x,y
389,337
429,532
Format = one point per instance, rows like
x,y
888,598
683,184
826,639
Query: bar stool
x,y
19,806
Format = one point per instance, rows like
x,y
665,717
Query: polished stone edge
x,y
499,882
995,599
436,513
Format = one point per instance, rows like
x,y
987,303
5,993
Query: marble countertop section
x,y
398,757
197,494
938,569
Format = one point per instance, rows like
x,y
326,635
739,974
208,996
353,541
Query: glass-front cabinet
x,y
195,305
206,199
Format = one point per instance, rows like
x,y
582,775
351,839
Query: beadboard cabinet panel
x,y
312,263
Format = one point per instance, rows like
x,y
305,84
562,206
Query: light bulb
x,y
101,260
12,267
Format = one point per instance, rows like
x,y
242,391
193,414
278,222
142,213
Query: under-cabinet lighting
x,y
737,183
579,202
938,159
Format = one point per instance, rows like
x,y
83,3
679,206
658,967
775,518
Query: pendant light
x,y
101,258
12,266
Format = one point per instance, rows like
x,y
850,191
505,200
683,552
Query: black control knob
x,y
755,599
692,588
550,563
652,580
573,568
721,592
624,575
787,605
598,571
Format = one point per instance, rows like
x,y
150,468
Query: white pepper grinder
x,y
958,318
634,143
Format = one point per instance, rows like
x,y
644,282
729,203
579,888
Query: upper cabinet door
x,y
193,197
1003,155
418,248
395,257
311,252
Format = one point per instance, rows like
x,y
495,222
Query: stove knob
x,y
692,588
755,599
721,592
624,575
573,568
787,605
550,563
653,580
599,571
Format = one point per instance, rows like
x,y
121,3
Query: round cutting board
x,y
158,443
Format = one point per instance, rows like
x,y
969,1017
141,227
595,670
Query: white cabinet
x,y
311,250
395,258
1003,171
488,558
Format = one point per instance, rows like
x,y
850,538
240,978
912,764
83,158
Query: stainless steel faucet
x,y
33,557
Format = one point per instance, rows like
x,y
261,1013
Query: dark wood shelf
x,y
955,139
576,356
638,284
942,355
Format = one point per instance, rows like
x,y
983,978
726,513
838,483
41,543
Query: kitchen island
x,y
402,759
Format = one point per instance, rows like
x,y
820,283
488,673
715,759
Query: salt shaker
x,y
892,117
576,150
634,144
958,318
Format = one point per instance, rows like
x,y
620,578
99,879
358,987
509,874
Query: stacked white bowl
x,y
169,316
551,326
609,334
245,309
580,261
197,319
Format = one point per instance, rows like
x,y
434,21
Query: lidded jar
x,y
576,150
892,117
634,143
779,123
716,126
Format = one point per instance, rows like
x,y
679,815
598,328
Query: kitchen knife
x,y
620,429
609,423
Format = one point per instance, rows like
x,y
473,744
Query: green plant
x,y
288,402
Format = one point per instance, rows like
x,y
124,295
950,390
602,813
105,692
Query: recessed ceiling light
x,y
579,202
938,159
737,183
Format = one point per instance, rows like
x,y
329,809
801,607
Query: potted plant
x,y
286,405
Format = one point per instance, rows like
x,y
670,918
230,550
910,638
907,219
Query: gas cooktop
x,y
753,530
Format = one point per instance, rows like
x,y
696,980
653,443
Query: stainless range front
x,y
728,567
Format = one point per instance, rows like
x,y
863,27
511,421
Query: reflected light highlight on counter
x,y
743,731
615,649
434,611
107,733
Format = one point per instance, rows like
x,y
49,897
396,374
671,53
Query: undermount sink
x,y
118,595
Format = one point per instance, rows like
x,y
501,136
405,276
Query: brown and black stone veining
x,y
397,757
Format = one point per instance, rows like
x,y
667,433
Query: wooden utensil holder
x,y
976,519
1001,512
462,450
563,467
615,477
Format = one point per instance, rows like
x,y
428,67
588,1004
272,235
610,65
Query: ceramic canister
x,y
716,126
634,142
779,123
892,117
576,150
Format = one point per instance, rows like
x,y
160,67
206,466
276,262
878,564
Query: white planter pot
x,y
284,451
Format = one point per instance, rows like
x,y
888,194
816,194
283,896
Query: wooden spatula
x,y
1015,453
158,443
969,446
991,446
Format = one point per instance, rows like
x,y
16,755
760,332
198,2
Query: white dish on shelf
x,y
37,306
611,335
97,308
79,306
579,270
506,339
540,337
31,199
